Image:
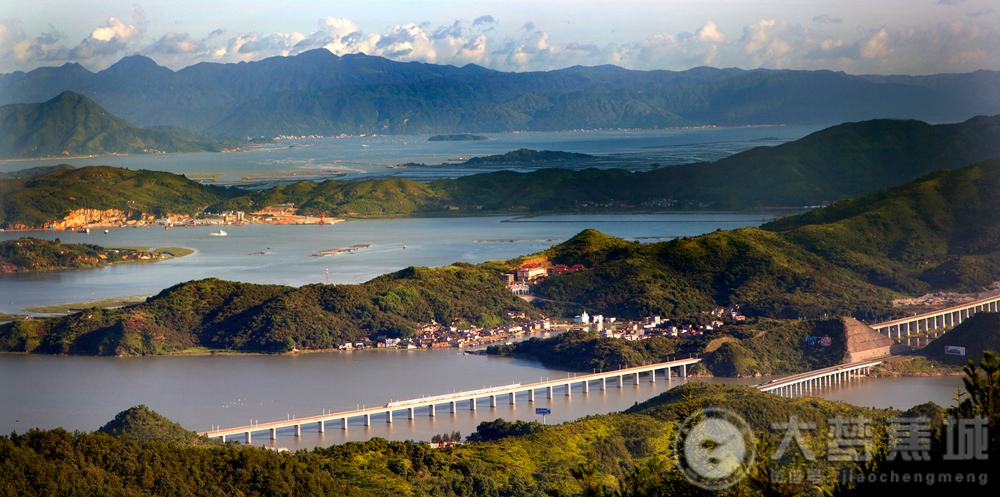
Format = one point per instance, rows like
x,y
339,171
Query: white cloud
x,y
772,43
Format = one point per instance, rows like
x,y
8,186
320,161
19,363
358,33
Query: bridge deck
x,y
432,401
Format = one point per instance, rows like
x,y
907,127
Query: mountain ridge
x,y
221,96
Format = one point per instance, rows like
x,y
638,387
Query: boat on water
x,y
168,227
106,232
220,233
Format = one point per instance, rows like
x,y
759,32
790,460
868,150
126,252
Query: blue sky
x,y
859,37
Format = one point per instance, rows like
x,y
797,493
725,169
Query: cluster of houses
x,y
655,326
435,335
528,274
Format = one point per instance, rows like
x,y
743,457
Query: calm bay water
x,y
428,242
362,157
83,393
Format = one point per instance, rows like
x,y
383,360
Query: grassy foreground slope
x,y
224,315
72,124
941,232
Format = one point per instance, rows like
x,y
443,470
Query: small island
x,y
525,156
33,254
457,138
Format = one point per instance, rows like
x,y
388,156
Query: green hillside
x,y
32,202
977,334
32,254
936,233
142,424
222,315
72,124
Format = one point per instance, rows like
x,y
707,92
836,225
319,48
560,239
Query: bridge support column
x,y
548,390
248,438
668,373
320,425
621,381
274,433
635,379
368,419
586,386
604,384
388,417
472,404
223,437
569,391
298,430
511,398
431,407
493,400
343,423
454,408
409,413
684,370
652,376
531,395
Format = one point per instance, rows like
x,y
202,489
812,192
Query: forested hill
x,y
222,315
941,232
71,125
317,92
32,202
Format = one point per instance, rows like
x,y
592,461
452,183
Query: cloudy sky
x,y
856,36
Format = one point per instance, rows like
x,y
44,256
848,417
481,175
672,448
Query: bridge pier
x,y
652,376
668,373
472,404
454,408
388,417
298,430
604,384
431,407
409,413
635,379
274,433
368,419
248,438
684,370
531,395
621,381
322,428
343,423
512,398
586,386
568,392
493,400
548,390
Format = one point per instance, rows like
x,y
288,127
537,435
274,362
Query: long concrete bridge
x,y
803,383
922,323
472,398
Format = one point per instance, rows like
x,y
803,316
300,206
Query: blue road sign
x,y
543,411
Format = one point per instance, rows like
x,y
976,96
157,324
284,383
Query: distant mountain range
x,y
72,125
319,92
